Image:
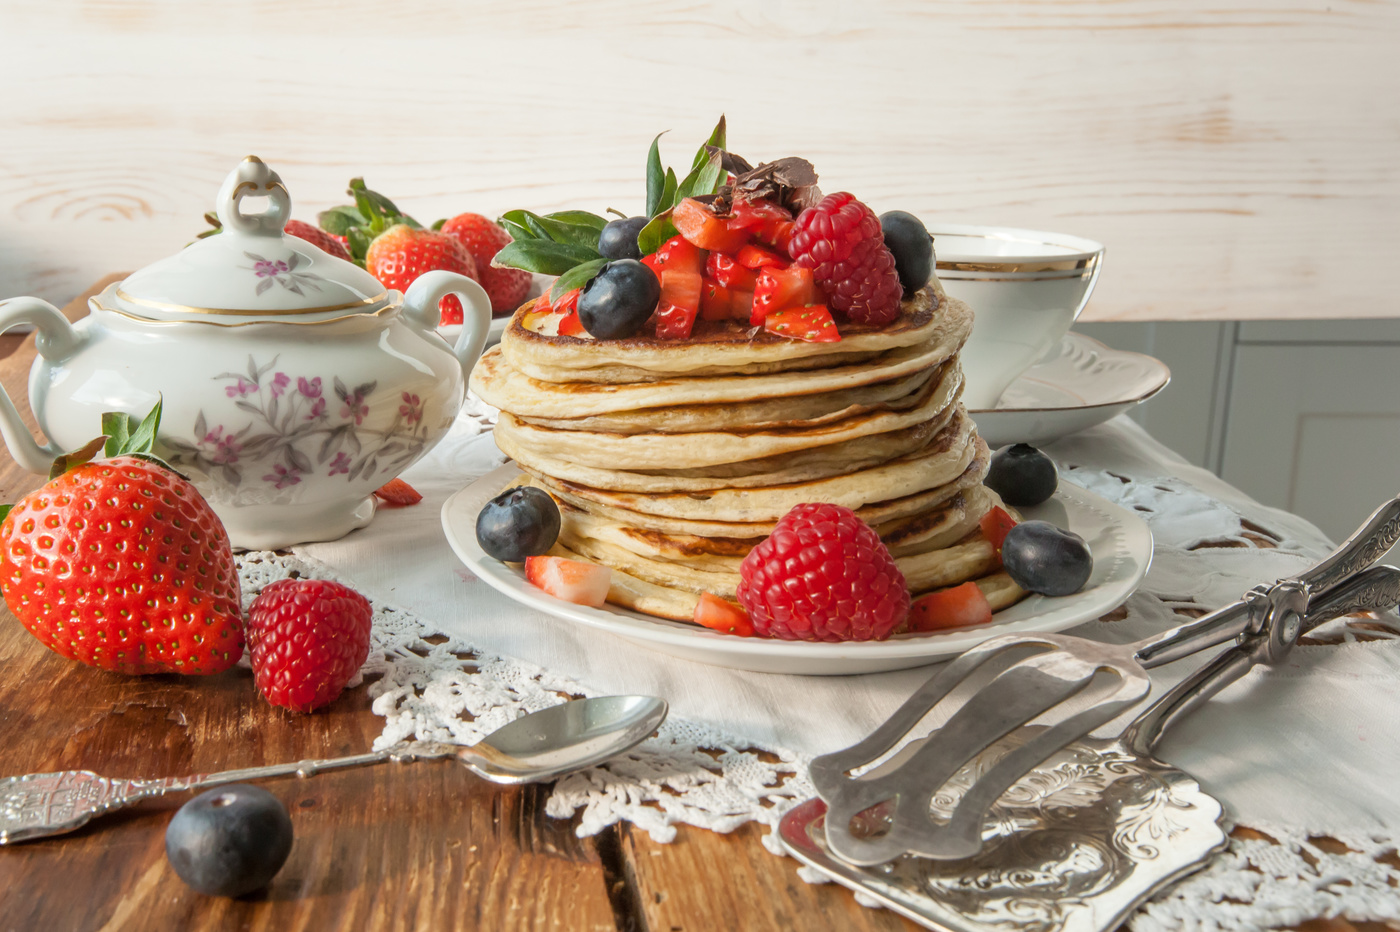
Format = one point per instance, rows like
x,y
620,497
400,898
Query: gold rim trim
x,y
1082,265
360,315
248,312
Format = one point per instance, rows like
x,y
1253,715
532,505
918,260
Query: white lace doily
x,y
1211,544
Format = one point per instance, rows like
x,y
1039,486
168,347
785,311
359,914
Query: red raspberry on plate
x,y
307,638
483,238
823,575
840,240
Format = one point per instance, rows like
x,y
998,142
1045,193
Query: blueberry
x,y
618,300
229,841
1042,558
1022,475
519,523
619,239
912,247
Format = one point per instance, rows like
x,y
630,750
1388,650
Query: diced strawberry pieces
x,y
956,607
776,233
397,493
729,273
995,524
679,304
716,301
740,304
756,214
752,256
723,616
567,303
571,580
704,229
674,322
778,289
676,255
812,323
570,325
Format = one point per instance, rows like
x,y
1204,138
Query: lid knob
x,y
252,178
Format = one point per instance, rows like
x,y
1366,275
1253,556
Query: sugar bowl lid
x,y
251,271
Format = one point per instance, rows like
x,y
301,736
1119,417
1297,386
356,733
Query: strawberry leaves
x,y
371,214
706,176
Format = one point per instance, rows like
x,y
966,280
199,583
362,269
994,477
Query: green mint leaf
x,y
716,139
658,231
517,231
580,218
705,179
551,228
543,256
656,177
576,277
668,195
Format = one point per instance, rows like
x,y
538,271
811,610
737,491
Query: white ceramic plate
x,y
1080,384
498,324
1120,541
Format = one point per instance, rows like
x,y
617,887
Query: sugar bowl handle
x,y
421,309
56,340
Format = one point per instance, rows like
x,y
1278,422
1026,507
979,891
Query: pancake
x,y
502,385
657,450
720,348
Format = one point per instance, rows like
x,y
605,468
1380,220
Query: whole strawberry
x,y
484,238
823,575
307,638
318,238
402,253
122,565
841,241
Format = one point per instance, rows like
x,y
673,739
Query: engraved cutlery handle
x,y
1365,546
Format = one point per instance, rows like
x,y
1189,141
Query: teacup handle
x,y
421,308
56,340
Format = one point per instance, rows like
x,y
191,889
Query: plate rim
x,y
1164,377
647,630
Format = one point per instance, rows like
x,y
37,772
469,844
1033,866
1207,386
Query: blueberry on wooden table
x,y
1022,475
229,841
618,240
520,522
912,247
1043,558
618,300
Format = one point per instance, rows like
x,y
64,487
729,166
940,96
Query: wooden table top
x,y
375,849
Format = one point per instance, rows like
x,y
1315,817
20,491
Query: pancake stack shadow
x,y
670,460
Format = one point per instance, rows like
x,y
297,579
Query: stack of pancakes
x,y
670,460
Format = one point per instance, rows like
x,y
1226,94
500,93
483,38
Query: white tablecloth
x,y
1301,750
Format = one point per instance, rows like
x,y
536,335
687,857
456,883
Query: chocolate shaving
x,y
791,182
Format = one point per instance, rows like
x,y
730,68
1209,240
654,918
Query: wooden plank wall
x,y
1240,160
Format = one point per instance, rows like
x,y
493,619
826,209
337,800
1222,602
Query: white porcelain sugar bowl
x,y
293,385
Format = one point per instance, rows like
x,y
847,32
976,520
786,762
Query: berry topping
x,y
618,300
1042,558
307,638
722,615
694,221
619,239
995,525
955,607
811,323
840,240
912,248
823,575
519,523
571,580
778,289
1022,475
483,238
122,565
229,841
317,237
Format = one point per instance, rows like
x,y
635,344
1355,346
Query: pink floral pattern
x,y
291,432
282,272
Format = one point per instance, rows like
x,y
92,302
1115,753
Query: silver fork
x,y
1071,685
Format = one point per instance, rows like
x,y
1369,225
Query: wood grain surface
x,y
376,849
1239,160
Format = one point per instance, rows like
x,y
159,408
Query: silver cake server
x,y
1084,838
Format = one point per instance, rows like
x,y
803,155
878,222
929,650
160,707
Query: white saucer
x,y
1120,541
1080,384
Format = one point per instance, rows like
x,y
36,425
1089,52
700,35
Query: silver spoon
x,y
533,748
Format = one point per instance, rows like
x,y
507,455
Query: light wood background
x,y
1240,160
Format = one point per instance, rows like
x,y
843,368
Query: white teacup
x,y
1026,288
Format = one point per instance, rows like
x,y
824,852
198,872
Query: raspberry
x,y
823,575
307,638
840,240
